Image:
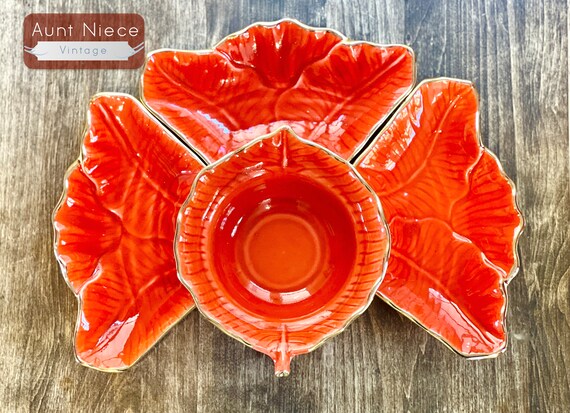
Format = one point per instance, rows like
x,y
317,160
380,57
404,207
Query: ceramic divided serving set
x,y
279,182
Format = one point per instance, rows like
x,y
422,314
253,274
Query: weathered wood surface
x,y
517,54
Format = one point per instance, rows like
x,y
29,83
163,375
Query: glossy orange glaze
x,y
452,216
286,240
114,232
281,245
280,239
325,88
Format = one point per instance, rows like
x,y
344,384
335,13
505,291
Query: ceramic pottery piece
x,y
281,150
281,245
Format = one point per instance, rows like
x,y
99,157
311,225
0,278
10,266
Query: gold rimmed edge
x,y
225,158
343,40
516,235
63,268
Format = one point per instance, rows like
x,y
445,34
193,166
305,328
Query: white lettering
x,y
108,31
37,29
60,31
87,29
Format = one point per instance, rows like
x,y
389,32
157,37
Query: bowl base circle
x,y
283,252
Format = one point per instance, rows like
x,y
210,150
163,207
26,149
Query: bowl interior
x,y
282,245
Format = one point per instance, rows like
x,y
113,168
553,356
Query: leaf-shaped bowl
x,y
327,88
281,244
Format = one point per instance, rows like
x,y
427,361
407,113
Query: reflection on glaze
x,y
286,240
452,217
281,245
114,232
327,89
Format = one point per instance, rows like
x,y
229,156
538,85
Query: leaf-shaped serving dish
x,y
272,149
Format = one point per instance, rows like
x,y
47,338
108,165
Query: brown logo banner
x,y
84,41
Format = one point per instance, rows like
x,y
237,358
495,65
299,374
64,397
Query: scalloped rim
x,y
79,163
372,136
516,234
349,319
374,130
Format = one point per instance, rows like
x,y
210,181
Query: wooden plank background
x,y
516,52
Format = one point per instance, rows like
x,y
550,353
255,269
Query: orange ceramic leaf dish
x,y
114,231
327,89
281,245
488,216
445,283
452,217
282,241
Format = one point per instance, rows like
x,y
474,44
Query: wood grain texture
x,y
516,52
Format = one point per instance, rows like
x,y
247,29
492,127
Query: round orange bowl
x,y
281,244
